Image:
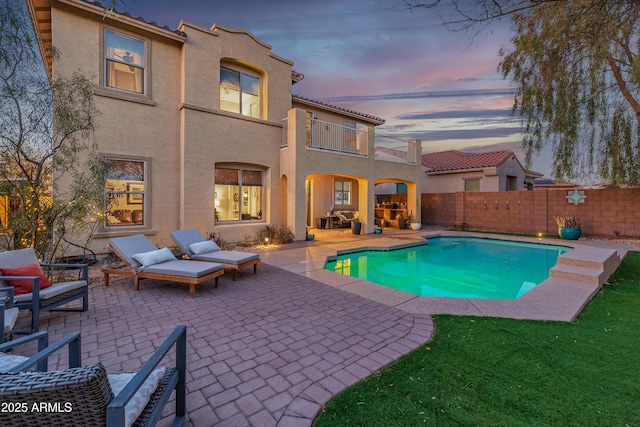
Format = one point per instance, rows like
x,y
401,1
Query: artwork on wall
x,y
135,199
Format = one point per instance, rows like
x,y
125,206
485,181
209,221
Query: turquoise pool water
x,y
455,267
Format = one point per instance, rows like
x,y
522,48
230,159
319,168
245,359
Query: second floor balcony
x,y
331,137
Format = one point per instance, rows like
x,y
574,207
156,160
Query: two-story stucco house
x,y
199,128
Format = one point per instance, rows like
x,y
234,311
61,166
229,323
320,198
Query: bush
x,y
277,234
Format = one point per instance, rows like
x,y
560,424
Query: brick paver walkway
x,y
266,350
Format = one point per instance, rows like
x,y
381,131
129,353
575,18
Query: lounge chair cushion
x,y
228,257
154,257
25,286
52,291
204,247
8,361
134,407
183,268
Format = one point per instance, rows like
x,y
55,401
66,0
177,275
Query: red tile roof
x,y
453,160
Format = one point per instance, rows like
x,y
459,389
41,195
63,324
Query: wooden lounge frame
x,y
137,275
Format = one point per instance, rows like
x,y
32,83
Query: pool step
x,y
586,265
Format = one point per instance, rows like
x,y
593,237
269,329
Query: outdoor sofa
x,y
196,247
33,290
145,261
89,396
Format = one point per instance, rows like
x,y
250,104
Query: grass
x,y
504,372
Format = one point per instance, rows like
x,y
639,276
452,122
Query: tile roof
x,y
373,119
453,160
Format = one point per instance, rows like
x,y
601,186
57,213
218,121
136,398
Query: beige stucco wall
x,y
147,129
178,128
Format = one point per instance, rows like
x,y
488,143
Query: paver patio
x,y
269,349
266,350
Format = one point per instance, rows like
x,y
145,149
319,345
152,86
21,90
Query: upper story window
x,y
239,93
125,62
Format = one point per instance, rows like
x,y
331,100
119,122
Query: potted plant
x,y
309,236
569,226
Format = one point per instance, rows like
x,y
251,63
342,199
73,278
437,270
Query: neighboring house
x,y
454,171
200,129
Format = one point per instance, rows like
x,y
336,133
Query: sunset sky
x,y
380,58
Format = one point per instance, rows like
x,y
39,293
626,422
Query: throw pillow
x,y
204,247
25,286
154,257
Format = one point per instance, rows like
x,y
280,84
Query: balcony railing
x,y
333,137
329,136
396,150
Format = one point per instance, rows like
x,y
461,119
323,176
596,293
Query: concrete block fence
x,y
603,212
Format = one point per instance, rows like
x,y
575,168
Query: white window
x,y
472,184
238,194
239,93
342,193
125,192
124,62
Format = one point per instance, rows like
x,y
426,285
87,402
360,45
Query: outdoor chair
x,y
89,396
146,261
33,290
8,314
196,247
346,218
10,362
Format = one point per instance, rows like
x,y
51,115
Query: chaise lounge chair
x,y
146,261
89,396
33,290
196,247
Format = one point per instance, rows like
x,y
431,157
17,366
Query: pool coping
x,y
560,298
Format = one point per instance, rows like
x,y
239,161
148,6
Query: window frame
x,y
341,201
243,199
471,179
106,229
242,72
104,89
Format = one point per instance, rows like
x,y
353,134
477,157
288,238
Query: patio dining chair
x,y
146,261
89,396
196,247
32,289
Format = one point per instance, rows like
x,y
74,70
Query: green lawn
x,y
480,371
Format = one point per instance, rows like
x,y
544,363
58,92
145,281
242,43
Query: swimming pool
x,y
458,267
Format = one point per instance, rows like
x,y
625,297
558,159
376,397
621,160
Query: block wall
x,y
605,212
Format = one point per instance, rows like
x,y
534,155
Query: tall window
x,y
125,62
238,194
125,192
239,93
342,193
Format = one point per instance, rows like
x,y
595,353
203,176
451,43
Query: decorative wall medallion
x,y
576,196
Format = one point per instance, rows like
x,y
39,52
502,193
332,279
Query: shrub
x,y
277,234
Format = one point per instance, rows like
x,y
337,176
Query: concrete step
x,y
591,276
